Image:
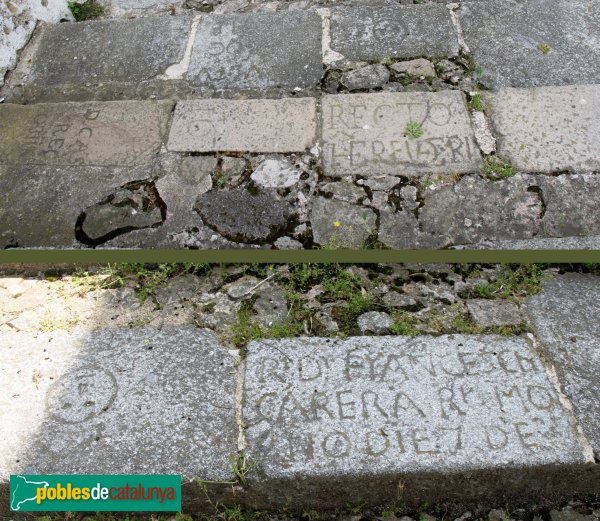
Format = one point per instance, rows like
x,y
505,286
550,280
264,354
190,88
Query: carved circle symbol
x,y
81,395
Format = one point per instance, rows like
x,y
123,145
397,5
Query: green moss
x,y
87,10
495,168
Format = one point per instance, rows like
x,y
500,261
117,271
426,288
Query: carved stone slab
x,y
116,133
547,129
376,33
362,410
365,134
116,401
110,50
566,318
260,125
257,50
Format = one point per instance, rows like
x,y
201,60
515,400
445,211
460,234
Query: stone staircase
x,y
296,125
311,422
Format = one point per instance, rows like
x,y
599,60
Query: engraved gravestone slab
x,y
115,133
257,50
365,134
117,401
380,32
547,129
318,408
259,125
110,50
566,319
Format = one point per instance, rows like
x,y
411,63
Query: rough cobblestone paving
x,y
376,125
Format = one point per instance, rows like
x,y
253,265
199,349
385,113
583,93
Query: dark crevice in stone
x,y
134,206
537,190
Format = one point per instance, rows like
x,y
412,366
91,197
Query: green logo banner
x,y
95,493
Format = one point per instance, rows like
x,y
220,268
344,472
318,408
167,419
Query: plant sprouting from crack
x,y
495,168
413,129
544,48
242,465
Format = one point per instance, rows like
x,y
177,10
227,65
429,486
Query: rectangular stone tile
x,y
535,42
110,50
329,420
260,125
565,317
547,129
257,50
377,33
116,133
118,401
365,134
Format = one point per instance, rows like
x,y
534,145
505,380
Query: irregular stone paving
x,y
353,126
479,418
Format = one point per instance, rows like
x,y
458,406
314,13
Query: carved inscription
x,y
364,134
398,400
99,134
261,125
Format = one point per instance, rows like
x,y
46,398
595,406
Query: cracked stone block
x,y
42,205
257,51
547,129
534,42
338,224
365,134
417,68
564,317
470,211
344,191
461,416
241,216
104,51
117,401
259,125
377,33
127,209
116,133
497,312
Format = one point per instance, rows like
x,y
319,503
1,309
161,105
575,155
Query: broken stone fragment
x,y
487,313
127,209
420,67
275,173
369,77
375,322
240,216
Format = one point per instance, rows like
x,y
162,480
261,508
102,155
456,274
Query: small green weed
x,y
544,48
413,129
86,10
515,282
404,324
475,103
494,168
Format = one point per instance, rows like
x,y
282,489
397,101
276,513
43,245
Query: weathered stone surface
x,y
505,38
41,205
539,243
117,133
117,401
419,67
488,313
337,224
128,208
368,77
564,317
364,134
376,322
375,33
257,51
470,211
344,191
330,419
275,173
261,125
241,216
110,50
548,129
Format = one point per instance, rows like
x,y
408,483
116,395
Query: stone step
x,y
322,422
329,170
534,43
